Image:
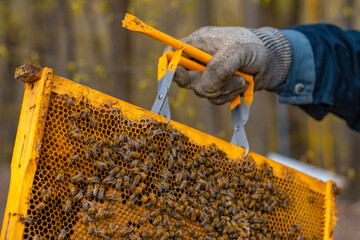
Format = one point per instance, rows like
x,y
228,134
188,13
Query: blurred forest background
x,y
84,41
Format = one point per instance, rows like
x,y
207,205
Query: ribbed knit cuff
x,y
279,53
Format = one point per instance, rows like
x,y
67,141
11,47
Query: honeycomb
x,y
102,175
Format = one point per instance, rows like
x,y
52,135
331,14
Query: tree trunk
x,y
120,54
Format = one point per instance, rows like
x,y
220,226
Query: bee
x,y
256,197
46,194
88,140
215,222
110,232
311,199
153,162
101,165
77,178
113,171
147,234
161,204
183,198
189,163
73,158
213,234
143,219
135,144
120,174
93,179
101,192
180,223
111,196
74,116
108,180
131,202
144,168
122,138
105,154
170,203
102,233
95,189
269,171
134,163
198,186
93,121
157,220
171,162
135,182
180,208
166,174
100,213
78,196
111,163
165,236
67,206
27,219
295,228
72,189
153,147
92,210
126,181
74,135
193,233
89,190
159,186
40,206
255,226
125,231
118,183
133,236
155,213
61,175
85,114
152,155
85,204
166,220
36,237
179,177
94,150
243,225
169,144
177,215
92,229
142,174
178,233
183,184
62,234
152,200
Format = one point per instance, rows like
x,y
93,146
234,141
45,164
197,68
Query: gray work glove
x,y
265,53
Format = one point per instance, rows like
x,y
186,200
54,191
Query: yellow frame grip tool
x,y
239,113
133,23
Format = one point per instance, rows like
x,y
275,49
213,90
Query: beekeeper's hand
x,y
265,53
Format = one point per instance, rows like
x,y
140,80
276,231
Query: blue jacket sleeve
x,y
324,75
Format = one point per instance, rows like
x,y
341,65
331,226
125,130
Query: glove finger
x,y
236,83
184,78
220,69
225,98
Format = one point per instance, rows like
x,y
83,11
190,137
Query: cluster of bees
x,y
184,190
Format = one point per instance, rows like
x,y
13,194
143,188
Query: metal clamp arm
x,y
161,105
